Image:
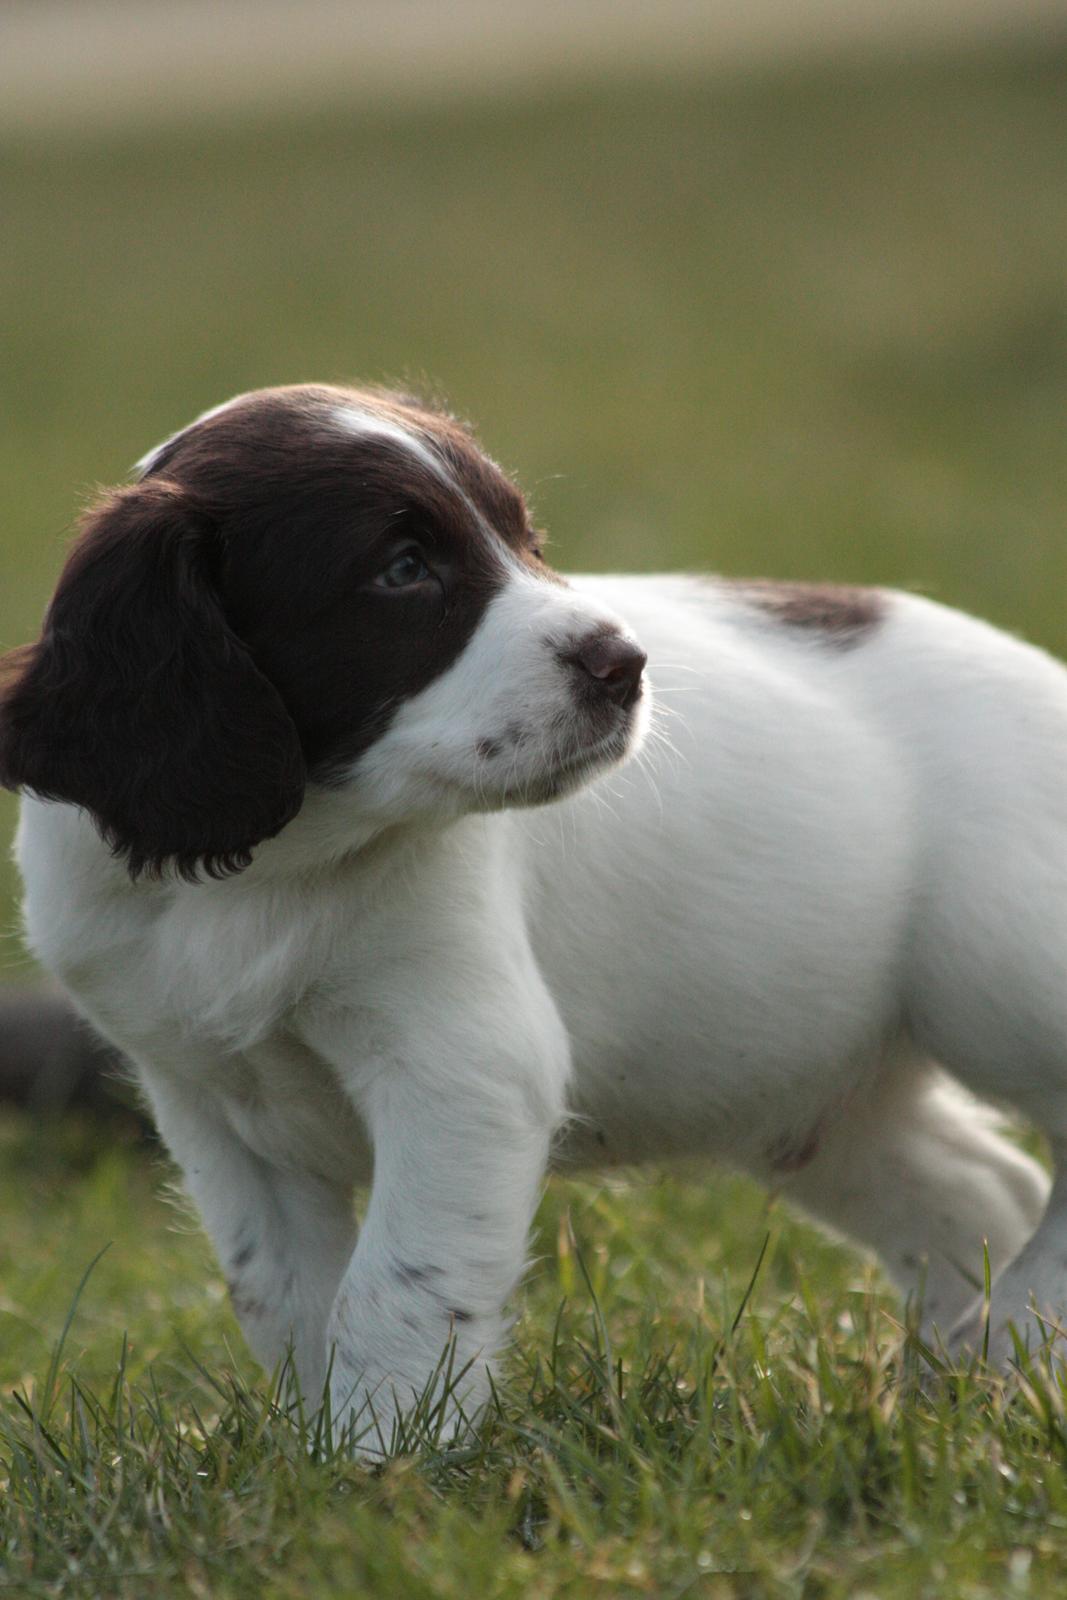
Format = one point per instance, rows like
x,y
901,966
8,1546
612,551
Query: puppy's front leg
x,y
461,1131
283,1236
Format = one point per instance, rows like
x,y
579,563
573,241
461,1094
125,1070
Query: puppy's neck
x,y
333,829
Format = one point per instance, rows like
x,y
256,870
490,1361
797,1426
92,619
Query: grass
x,y
810,325
664,1426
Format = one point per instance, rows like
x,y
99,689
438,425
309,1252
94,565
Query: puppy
x,y
287,744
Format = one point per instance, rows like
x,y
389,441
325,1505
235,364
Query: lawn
x,y
809,325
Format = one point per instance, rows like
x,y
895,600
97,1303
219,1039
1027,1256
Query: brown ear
x,y
141,704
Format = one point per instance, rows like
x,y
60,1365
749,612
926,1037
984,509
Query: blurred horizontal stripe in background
x,y
110,61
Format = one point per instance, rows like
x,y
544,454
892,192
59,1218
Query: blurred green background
x,y
802,322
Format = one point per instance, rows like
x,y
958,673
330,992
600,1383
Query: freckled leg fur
x,y
456,1182
918,1172
283,1239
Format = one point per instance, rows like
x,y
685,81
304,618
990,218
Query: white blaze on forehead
x,y
368,424
147,462
371,425
359,420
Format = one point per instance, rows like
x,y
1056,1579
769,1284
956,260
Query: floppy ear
x,y
141,704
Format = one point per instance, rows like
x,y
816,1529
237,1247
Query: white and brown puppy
x,y
299,693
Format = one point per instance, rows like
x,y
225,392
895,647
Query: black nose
x,y
615,665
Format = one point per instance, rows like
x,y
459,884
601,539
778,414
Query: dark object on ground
x,y
51,1061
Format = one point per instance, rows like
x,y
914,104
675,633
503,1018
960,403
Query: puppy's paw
x,y
374,1421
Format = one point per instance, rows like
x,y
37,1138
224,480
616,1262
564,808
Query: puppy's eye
x,y
404,571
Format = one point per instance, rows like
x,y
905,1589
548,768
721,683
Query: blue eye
x,y
403,572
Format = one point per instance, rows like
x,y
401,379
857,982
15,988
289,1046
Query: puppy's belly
x,y
770,1121
285,1105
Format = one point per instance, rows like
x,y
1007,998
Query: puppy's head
x,y
310,585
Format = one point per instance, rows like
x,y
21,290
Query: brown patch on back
x,y
841,613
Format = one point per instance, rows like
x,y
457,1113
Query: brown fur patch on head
x,y
285,430
841,613
481,479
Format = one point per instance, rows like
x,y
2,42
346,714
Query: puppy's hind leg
x,y
987,989
1028,1305
918,1171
